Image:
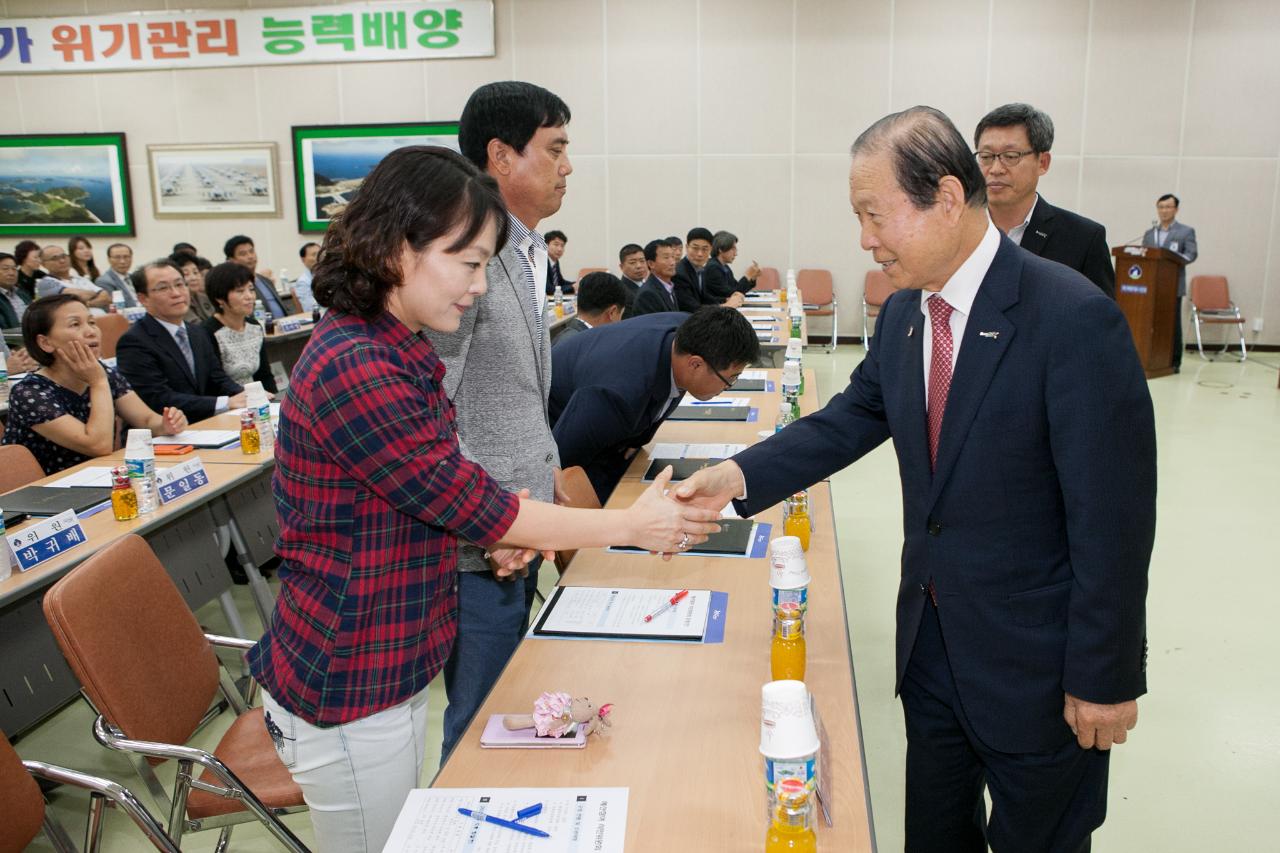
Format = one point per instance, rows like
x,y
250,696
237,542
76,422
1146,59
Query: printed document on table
x,y
673,450
588,611
578,820
200,437
721,400
754,374
94,475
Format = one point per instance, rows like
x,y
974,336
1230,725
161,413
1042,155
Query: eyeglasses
x,y
166,288
61,257
728,383
1008,158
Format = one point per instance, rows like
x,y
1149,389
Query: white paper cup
x,y
788,568
786,721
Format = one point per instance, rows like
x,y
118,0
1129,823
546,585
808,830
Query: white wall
x,y
739,115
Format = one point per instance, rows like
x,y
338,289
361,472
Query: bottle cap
x,y
786,721
119,476
788,568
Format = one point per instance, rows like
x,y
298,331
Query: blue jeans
x,y
492,617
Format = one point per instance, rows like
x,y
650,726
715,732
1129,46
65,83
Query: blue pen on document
x,y
528,812
509,824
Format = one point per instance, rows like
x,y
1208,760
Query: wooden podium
x,y
1147,292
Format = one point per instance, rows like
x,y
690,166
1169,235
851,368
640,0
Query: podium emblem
x,y
1135,272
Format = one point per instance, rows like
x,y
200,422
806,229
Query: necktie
x,y
700,282
185,346
939,371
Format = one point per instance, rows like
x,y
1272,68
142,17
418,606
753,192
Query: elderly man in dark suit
x,y
1170,234
170,362
658,294
1025,440
1013,143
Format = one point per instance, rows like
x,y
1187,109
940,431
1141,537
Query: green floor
x,y
1202,769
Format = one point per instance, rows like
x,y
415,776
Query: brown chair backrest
x,y
877,288
110,327
768,279
586,271
816,287
578,489
1210,293
21,802
134,644
18,467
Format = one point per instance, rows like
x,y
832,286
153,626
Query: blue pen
x,y
518,827
528,812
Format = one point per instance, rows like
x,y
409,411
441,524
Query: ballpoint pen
x,y
509,824
675,599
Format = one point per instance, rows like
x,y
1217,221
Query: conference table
x,y
686,718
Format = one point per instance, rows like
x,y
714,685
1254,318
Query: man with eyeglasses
x,y
1013,143
613,388
62,277
168,361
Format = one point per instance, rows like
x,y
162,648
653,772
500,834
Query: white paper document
x,y
603,612
577,819
672,450
200,437
94,475
754,374
719,401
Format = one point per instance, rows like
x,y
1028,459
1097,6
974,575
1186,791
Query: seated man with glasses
x,y
613,388
63,279
1013,144
168,361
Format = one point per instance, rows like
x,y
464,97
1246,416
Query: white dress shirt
x,y
1016,232
959,291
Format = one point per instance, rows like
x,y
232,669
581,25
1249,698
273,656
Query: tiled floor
x,y
1202,770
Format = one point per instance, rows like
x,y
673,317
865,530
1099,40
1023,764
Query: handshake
x,y
662,520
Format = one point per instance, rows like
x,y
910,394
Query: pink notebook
x,y
497,736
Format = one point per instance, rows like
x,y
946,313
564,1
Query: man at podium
x,y
1176,237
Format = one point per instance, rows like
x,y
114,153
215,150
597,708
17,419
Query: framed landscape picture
x,y
64,184
216,180
331,161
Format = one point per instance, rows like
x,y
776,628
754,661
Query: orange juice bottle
x,y
787,654
782,296
250,439
797,522
790,830
124,500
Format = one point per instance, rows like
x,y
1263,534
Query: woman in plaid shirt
x,y
373,494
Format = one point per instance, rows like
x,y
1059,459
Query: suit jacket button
x,y
934,528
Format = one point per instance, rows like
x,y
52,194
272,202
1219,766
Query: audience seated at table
x,y
29,270
74,407
698,282
611,389
309,253
116,278
556,241
193,269
168,361
241,250
61,278
658,293
242,343
602,297
82,262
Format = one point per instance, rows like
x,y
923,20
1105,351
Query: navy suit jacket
x,y
689,295
610,390
1037,526
270,299
554,276
721,280
149,358
1071,239
652,298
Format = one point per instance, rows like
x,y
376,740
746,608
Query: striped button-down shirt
x,y
372,494
531,249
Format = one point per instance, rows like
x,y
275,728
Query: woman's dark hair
x,y
25,248
222,279
38,319
90,269
415,195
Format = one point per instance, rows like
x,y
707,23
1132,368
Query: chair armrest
x,y
114,791
230,642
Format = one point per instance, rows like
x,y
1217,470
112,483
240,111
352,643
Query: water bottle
x,y
260,313
140,459
784,417
559,303
117,302
791,388
256,402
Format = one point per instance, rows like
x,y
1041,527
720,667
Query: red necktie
x,y
939,371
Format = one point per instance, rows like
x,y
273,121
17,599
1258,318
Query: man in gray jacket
x,y
1176,237
498,373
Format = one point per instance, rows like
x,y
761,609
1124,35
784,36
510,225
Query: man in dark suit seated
x,y
635,270
556,241
696,282
724,248
1026,448
658,293
170,362
601,301
611,389
240,249
1013,143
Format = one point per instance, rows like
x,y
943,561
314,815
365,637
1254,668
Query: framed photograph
x,y
331,161
64,184
217,180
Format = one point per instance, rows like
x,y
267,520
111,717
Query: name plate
x,y
288,325
46,540
181,480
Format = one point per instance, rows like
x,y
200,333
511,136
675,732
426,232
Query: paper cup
x,y
786,721
788,568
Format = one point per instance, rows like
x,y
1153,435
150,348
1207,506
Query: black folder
x,y
749,385
710,413
681,469
734,538
51,500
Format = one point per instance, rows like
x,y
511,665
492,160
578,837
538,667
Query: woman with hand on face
x,y
242,343
373,495
74,407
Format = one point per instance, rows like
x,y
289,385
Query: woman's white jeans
x,y
355,776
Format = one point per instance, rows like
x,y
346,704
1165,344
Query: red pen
x,y
675,599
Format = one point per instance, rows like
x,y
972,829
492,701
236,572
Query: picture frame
x,y
331,161
215,180
65,183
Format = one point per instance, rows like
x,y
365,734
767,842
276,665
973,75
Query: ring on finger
x,y
684,543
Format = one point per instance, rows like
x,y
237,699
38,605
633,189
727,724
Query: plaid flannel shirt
x,y
372,494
